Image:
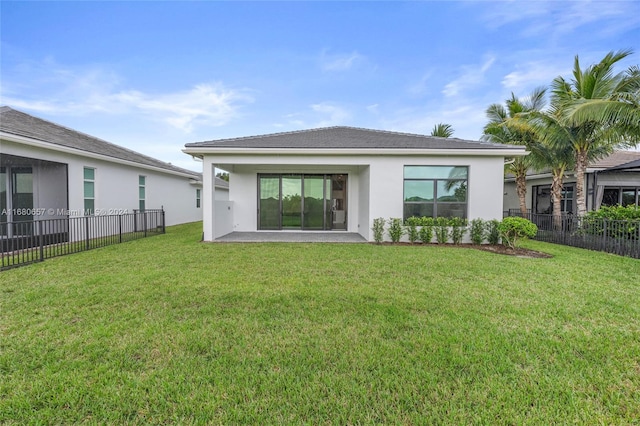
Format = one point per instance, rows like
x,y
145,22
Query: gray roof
x,y
348,138
615,159
22,124
627,166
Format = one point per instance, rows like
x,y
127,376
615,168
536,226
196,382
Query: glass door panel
x,y
328,213
291,202
22,199
269,210
314,202
339,201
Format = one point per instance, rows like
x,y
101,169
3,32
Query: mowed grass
x,y
171,330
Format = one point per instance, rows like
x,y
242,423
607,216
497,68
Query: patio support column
x,y
208,199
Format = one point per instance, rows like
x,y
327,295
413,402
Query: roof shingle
x,y
342,137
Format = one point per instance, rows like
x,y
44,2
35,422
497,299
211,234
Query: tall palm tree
x,y
442,130
502,129
553,149
601,109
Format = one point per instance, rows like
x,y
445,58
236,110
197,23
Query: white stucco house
x,y
342,178
48,171
609,181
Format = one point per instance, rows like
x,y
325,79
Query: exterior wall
x,y
375,184
364,203
116,186
484,194
50,189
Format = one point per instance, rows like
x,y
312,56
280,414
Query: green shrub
x,y
378,229
512,229
411,229
613,221
477,231
396,230
493,232
426,234
458,229
442,230
616,213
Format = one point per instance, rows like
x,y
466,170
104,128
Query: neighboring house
x,y
612,180
48,171
342,178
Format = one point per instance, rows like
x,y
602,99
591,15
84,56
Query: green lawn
x,y
170,330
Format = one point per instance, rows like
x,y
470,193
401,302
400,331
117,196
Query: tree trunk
x,y
581,167
521,190
556,197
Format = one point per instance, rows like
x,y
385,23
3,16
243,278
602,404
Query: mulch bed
x,y
498,249
518,252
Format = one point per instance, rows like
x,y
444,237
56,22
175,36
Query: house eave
x,y
200,152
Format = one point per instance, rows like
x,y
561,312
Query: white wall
x,y
375,183
223,218
50,189
364,203
116,185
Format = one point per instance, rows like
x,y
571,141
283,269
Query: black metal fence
x,y
620,237
26,242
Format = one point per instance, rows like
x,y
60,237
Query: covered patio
x,y
291,237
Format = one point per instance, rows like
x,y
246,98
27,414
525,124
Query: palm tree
x,y
600,109
553,149
503,129
442,130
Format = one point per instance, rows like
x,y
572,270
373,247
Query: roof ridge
x,y
266,135
317,129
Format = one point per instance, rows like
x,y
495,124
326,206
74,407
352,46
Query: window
x,y
89,191
613,196
141,192
197,198
435,191
542,203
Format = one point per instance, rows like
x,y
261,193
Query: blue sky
x,y
153,76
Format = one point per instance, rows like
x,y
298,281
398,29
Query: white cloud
x,y
340,62
322,114
557,18
533,74
470,77
83,92
421,86
334,115
204,104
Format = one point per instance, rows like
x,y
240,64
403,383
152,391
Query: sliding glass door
x,y
269,203
291,201
301,202
314,203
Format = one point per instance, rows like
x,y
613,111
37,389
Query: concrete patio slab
x,y
291,237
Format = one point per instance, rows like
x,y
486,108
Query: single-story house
x,y
609,181
48,171
342,178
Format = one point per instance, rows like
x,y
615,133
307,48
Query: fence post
x,y
164,230
144,222
120,227
86,230
41,237
604,235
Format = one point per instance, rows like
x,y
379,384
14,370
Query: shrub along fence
x,y
25,242
620,237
